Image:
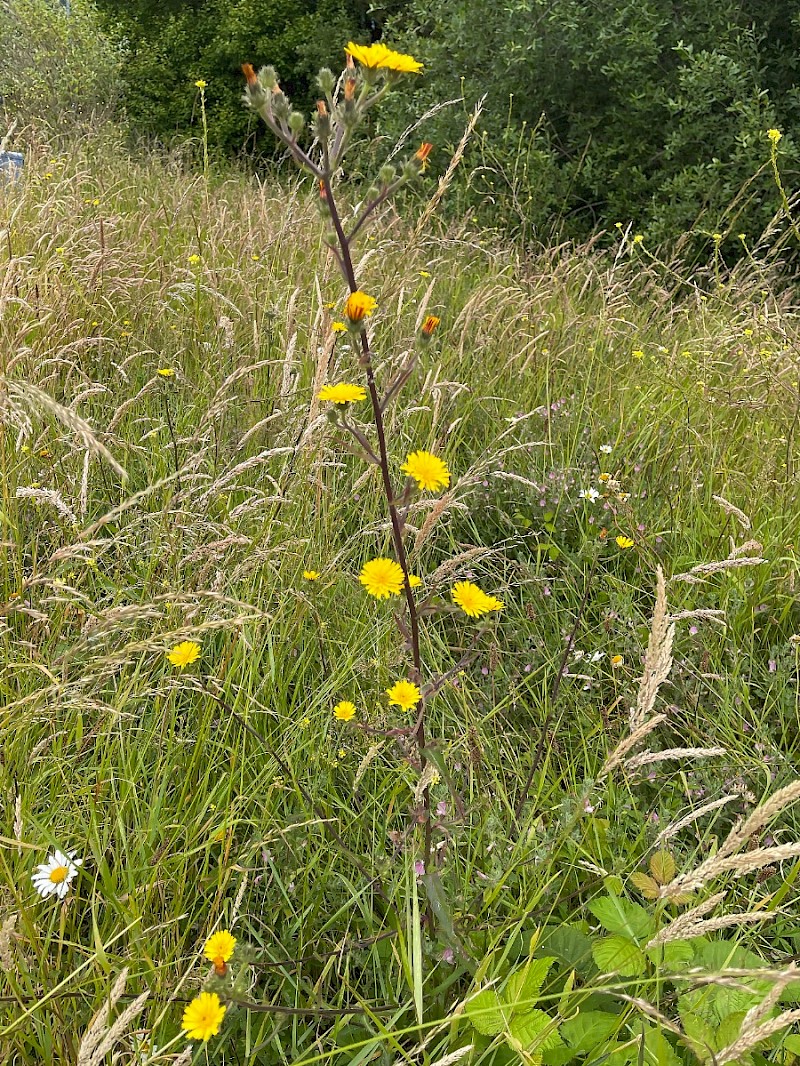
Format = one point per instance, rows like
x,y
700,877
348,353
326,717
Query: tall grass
x,y
140,509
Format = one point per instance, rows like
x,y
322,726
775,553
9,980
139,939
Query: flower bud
x,y
421,155
268,77
428,327
350,89
387,174
322,121
254,92
330,238
296,123
326,81
280,105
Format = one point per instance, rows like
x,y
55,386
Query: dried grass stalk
x,y
731,509
749,1038
6,939
658,657
630,742
648,757
674,828
449,174
100,1037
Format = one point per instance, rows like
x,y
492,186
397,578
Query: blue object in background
x,y
11,164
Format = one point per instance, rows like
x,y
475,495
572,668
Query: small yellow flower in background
x,y
429,325
329,306
404,694
203,1017
637,353
381,578
414,581
165,372
604,477
359,305
194,259
304,722
341,753
428,470
624,542
748,332
742,236
188,651
617,660
342,393
716,237
424,273
473,601
344,711
339,327
219,949
255,257
638,238
200,84
774,135
311,575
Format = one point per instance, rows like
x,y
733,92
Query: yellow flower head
x,y
165,372
429,325
344,711
359,305
399,63
624,542
428,470
339,327
203,1017
311,575
194,259
219,947
774,135
188,651
616,660
637,353
414,581
200,84
404,694
381,578
342,393
368,55
473,601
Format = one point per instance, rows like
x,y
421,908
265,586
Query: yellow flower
x,y
203,1017
429,325
637,353
381,578
339,327
638,238
774,135
311,575
344,711
400,63
342,393
200,84
195,259
473,601
428,470
184,653
414,581
404,694
165,372
617,660
624,542
424,273
359,305
219,947
368,55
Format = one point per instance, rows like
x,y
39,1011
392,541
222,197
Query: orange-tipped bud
x,y
220,966
322,110
323,193
349,62
349,89
422,153
250,74
429,325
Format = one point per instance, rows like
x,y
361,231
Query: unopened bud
x,y
326,81
428,326
387,174
254,92
330,238
296,122
350,89
280,105
268,77
220,967
322,121
250,74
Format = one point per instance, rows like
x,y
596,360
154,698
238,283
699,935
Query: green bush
x,y
56,69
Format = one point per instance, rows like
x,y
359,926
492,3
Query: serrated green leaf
x,y
558,1056
792,1043
524,984
617,954
658,1050
617,915
675,954
662,867
589,1028
646,885
569,944
728,1030
535,1031
488,1013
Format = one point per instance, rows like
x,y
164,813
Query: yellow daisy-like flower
x,y
428,470
200,84
774,135
311,575
381,578
359,305
219,947
414,581
400,63
342,393
194,259
404,694
473,601
339,327
616,660
203,1017
624,542
368,55
165,372
188,651
344,711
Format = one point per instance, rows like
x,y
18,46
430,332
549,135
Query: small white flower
x,y
606,449
590,494
52,878
596,656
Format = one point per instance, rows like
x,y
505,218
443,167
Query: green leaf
x,y
525,983
658,1050
488,1013
617,915
676,954
569,944
662,867
728,1030
646,885
529,1029
792,1043
589,1028
558,1056
617,954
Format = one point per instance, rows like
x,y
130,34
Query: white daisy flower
x,y
52,878
606,449
590,494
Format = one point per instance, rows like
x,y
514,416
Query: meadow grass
x,y
226,795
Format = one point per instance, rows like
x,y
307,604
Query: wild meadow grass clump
x,y
400,633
